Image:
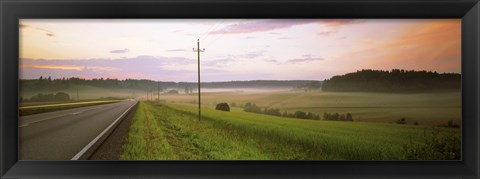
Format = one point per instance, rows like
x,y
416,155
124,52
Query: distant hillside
x,y
58,84
393,81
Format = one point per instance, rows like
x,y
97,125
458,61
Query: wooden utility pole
x,y
199,98
158,93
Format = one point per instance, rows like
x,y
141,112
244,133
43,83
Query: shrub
x,y
337,117
252,107
172,92
300,114
452,124
61,96
349,117
402,121
223,107
434,147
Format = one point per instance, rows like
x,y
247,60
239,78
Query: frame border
x,y
12,10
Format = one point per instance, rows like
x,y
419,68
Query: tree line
x,y
396,80
253,108
60,96
143,84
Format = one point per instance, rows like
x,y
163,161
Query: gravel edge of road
x,y
111,148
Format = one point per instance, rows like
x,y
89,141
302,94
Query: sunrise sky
x,y
235,49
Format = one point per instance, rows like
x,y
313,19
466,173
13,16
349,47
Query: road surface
x,y
60,135
69,104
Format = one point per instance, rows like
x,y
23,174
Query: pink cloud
x,y
274,24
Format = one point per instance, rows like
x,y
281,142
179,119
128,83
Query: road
x,y
60,135
69,104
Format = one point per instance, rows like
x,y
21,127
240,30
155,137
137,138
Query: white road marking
x,y
89,145
41,120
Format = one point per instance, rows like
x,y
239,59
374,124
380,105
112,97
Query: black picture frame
x,y
13,10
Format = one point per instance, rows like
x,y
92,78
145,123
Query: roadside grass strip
x,y
239,135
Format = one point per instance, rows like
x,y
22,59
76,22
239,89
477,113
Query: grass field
x,y
173,132
422,108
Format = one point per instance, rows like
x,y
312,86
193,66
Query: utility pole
x,y
148,94
199,99
158,93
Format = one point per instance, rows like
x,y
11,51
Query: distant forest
x,y
395,80
43,83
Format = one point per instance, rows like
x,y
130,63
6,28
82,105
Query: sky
x,y
235,49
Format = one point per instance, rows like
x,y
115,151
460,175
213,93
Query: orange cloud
x,y
424,45
53,67
64,67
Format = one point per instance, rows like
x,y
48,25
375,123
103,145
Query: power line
x,y
218,37
205,35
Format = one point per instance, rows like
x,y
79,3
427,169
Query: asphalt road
x,y
60,135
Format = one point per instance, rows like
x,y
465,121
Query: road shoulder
x,y
111,148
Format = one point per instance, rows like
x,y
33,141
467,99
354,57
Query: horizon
x,y
98,78
236,49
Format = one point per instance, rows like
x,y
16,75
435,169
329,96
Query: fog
x,y
246,90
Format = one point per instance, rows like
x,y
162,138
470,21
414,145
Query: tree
x,y
252,107
335,116
223,107
61,96
300,114
349,117
172,92
402,121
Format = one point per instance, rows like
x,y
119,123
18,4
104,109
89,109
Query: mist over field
x,y
271,89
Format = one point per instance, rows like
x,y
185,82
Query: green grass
x,y
173,132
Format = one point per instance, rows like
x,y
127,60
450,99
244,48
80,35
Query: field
x,y
422,108
173,132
